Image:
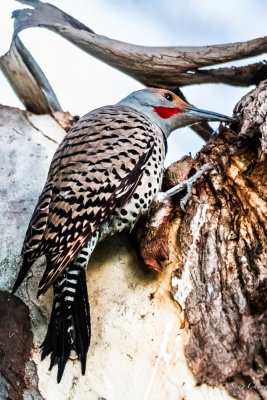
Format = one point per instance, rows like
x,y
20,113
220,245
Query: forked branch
x,y
167,67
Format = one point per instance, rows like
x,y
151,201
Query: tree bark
x,y
220,253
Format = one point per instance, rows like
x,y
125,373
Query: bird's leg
x,y
185,185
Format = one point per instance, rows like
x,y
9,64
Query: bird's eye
x,y
168,96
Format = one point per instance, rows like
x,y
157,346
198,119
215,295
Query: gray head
x,y
167,110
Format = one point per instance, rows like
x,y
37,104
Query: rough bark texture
x,y
252,113
223,250
221,279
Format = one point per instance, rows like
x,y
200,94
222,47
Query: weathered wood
x,y
252,112
28,80
168,67
221,275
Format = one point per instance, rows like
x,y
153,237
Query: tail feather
x,y
69,326
26,265
81,318
48,343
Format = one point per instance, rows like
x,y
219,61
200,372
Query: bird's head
x,y
167,110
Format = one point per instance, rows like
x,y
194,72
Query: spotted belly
x,y
125,217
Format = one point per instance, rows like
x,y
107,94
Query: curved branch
x,y
153,66
236,76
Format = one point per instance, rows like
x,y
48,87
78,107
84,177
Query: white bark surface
x,y
138,331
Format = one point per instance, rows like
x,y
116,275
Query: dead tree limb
x,y
28,80
168,67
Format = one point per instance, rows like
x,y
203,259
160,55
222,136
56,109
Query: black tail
x,y
26,265
69,326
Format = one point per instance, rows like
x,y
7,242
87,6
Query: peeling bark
x,y
252,113
223,249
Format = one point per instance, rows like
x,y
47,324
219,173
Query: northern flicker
x,y
104,175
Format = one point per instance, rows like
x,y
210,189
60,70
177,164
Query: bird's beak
x,y
203,115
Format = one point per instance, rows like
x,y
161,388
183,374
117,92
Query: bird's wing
x,y
95,169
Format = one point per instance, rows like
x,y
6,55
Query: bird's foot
x,y
185,185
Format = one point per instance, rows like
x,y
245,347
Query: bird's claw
x,y
185,185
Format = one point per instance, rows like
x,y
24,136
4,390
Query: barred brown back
x,y
95,170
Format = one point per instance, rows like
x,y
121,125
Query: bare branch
x,y
28,80
153,66
203,129
167,67
235,76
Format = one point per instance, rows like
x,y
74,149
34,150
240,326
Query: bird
x,y
105,174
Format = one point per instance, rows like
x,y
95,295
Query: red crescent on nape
x,y
166,112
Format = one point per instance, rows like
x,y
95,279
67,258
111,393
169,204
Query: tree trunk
x,y
219,253
164,335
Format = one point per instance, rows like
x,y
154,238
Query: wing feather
x,y
95,169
